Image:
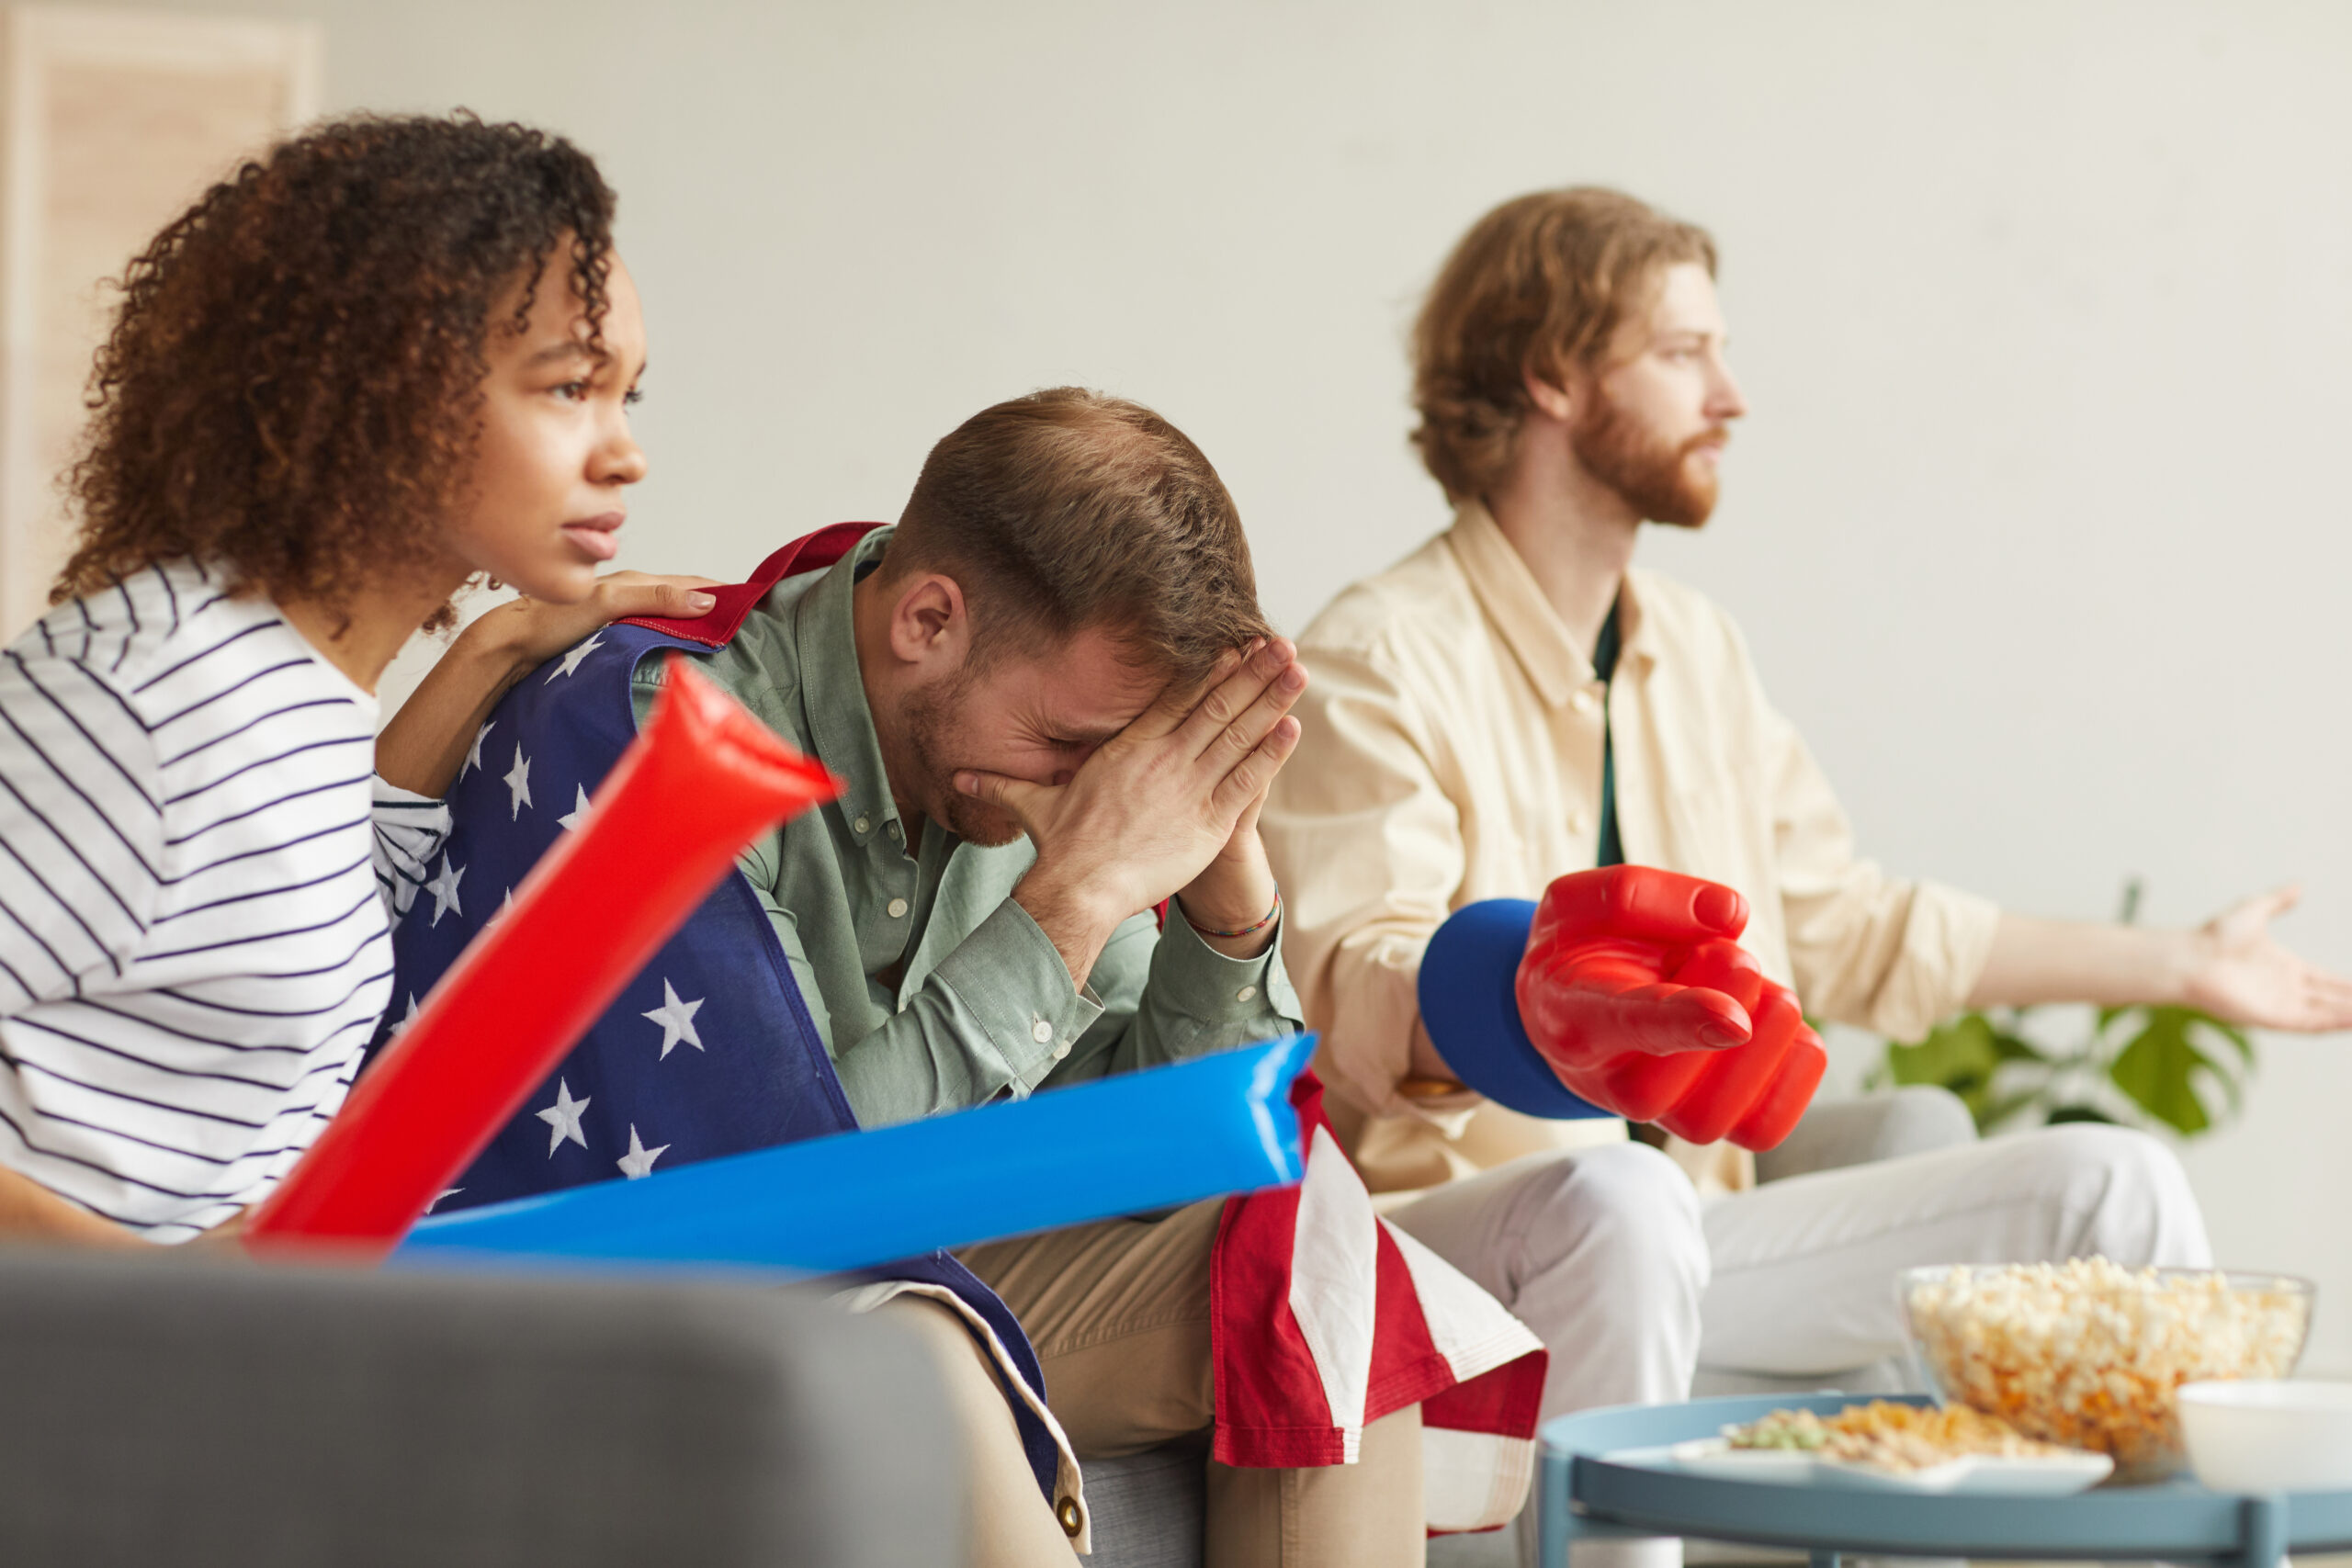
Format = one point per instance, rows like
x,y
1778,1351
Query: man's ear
x,y
929,626
1551,393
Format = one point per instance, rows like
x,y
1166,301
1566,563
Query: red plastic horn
x,y
700,780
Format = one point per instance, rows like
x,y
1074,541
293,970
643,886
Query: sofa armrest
x,y
1915,1120
163,1408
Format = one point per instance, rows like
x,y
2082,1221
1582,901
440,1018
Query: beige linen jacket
x,y
1452,752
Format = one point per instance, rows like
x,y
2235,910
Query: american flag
x,y
710,1051
1324,1316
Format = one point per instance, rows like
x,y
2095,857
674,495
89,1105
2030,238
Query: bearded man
x,y
1514,701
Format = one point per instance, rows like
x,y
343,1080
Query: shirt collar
x,y
1530,628
840,723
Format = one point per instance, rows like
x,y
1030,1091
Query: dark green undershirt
x,y
1604,664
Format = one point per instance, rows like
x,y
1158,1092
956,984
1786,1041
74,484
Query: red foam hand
x,y
1635,990
1754,1093
695,786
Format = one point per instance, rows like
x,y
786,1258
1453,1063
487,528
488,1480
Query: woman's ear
x,y
928,625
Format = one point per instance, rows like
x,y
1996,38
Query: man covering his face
x,y
1055,705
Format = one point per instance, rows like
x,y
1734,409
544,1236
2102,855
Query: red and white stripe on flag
x,y
1324,1318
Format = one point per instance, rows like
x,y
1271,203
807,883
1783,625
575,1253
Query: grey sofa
x,y
168,1409
165,1410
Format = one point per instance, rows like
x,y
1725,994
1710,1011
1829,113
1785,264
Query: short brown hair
x,y
292,387
1066,510
1537,285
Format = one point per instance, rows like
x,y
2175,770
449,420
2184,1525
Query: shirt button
x,y
1060,1051
862,824
895,829
1583,701
1579,822
898,909
1041,1031
1245,993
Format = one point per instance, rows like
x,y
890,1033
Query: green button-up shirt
x,y
933,989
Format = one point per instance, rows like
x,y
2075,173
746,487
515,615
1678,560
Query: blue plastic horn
x,y
1469,995
1127,1144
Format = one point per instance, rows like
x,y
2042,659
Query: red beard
x,y
1665,483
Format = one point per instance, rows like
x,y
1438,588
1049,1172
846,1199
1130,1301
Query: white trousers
x,y
1635,1284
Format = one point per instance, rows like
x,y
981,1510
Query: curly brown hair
x,y
1539,284
292,386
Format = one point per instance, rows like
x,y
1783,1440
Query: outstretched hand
x,y
425,744
2240,973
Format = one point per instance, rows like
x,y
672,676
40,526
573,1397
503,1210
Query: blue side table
x,y
1583,1494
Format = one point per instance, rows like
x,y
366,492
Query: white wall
x,y
2045,312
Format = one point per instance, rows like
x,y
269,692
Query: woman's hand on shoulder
x,y
423,747
532,631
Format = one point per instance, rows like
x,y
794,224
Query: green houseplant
x,y
2155,1065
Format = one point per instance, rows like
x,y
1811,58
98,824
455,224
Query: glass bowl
x,y
2087,1354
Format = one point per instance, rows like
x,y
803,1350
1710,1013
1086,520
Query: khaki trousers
x,y
1119,1314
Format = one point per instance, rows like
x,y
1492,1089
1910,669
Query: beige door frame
x,y
35,44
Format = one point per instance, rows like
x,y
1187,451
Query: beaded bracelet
x,y
1245,931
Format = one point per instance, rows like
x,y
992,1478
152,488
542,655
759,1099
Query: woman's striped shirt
x,y
195,863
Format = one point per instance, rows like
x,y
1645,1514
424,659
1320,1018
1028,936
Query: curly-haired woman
x,y
390,357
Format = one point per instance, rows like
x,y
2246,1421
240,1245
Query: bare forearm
x,y
427,740
1071,921
1236,894
29,1211
2066,961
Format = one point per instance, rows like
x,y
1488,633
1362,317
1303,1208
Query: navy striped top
x,y
196,867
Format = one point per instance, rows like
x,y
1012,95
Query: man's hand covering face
x,y
1635,991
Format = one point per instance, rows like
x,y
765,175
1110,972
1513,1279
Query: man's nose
x,y
1723,397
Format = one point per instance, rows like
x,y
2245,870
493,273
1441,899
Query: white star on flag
x,y
445,1192
677,1020
518,783
473,755
404,1022
444,888
563,1118
640,1159
571,661
571,818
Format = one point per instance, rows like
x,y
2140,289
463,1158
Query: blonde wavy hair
x,y
1538,285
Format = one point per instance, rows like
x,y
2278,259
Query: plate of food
x,y
1884,1446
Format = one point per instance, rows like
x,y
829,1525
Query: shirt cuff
x,y
1011,981
1191,977
386,793
409,832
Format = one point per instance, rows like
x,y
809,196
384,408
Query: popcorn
x,y
2087,1354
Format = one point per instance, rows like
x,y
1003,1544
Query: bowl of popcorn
x,y
2088,1354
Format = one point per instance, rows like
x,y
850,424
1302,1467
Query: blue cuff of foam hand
x,y
1469,1001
